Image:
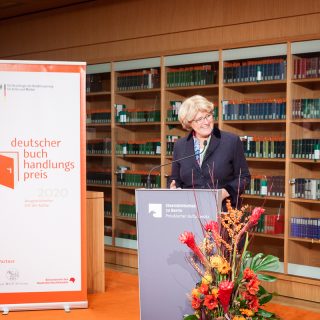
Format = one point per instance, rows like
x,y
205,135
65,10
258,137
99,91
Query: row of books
x,y
98,177
99,146
266,109
127,234
306,67
137,80
305,227
107,207
172,113
306,108
270,224
305,149
138,179
305,188
127,209
171,139
273,186
254,70
264,147
197,75
96,82
232,110
123,115
151,147
98,116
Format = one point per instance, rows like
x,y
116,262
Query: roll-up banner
x,y
42,185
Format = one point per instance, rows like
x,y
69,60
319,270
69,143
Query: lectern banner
x,y
42,184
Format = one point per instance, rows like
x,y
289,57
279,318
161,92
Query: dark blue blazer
x,y
224,165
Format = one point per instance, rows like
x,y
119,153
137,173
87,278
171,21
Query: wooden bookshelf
x,y
179,78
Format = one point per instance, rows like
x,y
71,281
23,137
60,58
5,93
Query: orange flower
x,y
203,288
238,318
247,312
196,303
195,293
210,302
214,292
248,274
224,268
254,304
253,286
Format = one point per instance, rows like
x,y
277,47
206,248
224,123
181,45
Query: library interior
x,y
258,62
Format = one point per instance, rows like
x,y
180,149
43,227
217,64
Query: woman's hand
x,y
173,184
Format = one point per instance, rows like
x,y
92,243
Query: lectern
x,y
165,276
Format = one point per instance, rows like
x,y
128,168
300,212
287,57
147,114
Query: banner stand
x,y
43,256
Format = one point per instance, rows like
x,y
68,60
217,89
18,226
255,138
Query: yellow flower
x,y
215,261
224,268
207,279
195,292
214,292
238,318
247,312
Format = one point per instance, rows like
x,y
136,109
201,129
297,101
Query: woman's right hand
x,y
173,184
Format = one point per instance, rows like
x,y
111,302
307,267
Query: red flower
x,y
248,274
195,303
253,286
224,294
212,226
245,295
210,302
255,215
253,303
203,288
188,239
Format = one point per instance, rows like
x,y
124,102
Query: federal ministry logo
x,y
12,274
155,209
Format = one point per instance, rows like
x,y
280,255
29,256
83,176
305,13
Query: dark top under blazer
x,y
223,161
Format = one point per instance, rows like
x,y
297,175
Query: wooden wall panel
x,y
264,32
122,29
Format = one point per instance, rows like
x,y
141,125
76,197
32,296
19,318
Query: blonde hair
x,y
190,107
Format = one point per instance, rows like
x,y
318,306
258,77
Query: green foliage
x,y
264,295
259,263
190,317
263,314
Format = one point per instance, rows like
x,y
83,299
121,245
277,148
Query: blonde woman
x,y
219,160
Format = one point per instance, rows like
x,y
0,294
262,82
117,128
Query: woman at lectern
x,y
208,158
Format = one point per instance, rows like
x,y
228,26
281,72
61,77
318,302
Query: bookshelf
x,y
304,165
254,107
137,142
266,95
99,143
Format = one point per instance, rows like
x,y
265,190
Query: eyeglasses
x,y
201,120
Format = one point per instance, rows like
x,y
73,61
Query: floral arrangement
x,y
230,277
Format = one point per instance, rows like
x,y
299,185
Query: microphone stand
x,y
166,164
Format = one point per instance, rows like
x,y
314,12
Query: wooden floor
x,y
121,302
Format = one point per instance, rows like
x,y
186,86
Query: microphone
x,y
205,142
